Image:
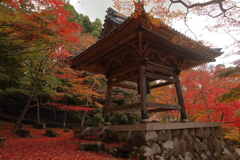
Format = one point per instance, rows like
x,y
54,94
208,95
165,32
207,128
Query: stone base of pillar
x,y
184,120
107,124
145,121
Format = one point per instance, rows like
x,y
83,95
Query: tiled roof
x,y
117,20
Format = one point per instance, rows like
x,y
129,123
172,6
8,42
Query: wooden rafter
x,y
124,86
163,106
128,111
122,70
125,78
159,68
159,110
160,85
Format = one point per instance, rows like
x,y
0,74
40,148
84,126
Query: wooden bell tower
x,y
132,49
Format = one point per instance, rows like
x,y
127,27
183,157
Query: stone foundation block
x,y
167,149
199,133
145,138
206,132
156,149
161,137
176,146
183,134
198,146
189,144
145,153
218,132
182,146
168,135
189,156
217,146
157,157
175,133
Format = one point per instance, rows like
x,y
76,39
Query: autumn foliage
x,y
40,147
37,37
201,90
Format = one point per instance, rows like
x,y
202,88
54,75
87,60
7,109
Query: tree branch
x,y
219,2
198,4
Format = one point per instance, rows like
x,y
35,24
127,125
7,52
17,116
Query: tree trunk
x,y
17,124
54,113
83,118
64,119
38,108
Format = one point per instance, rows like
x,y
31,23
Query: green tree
x,y
40,38
86,24
96,28
74,16
96,119
119,118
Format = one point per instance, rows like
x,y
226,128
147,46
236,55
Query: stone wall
x,y
175,141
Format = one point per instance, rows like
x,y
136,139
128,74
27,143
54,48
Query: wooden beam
x,y
143,92
125,78
157,77
160,85
108,100
124,86
180,98
106,54
119,108
163,106
159,110
157,68
128,111
122,70
161,66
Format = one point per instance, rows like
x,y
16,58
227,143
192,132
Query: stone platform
x,y
171,141
175,141
163,126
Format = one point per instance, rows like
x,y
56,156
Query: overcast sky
x,y
97,9
93,8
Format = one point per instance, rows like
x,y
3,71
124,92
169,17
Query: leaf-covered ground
x,y
40,147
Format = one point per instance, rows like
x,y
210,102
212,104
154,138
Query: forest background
x,y
36,82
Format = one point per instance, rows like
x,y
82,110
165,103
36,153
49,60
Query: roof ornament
x,y
112,12
139,7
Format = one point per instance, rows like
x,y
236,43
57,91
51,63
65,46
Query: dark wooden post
x,y
143,94
180,97
108,101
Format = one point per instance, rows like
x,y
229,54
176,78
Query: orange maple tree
x,y
201,89
43,35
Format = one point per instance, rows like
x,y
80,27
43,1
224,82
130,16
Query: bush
x,y
119,118
96,119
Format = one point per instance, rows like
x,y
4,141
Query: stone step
x,y
99,128
93,134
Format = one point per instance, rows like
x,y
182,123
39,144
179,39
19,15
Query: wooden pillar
x,y
143,94
108,101
180,97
